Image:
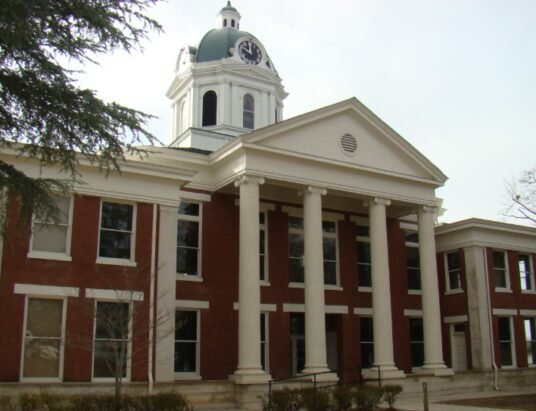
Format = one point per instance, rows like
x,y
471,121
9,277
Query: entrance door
x,y
458,347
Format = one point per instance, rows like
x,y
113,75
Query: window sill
x,y
332,287
47,380
43,255
364,289
296,285
265,283
454,291
528,292
115,261
414,292
187,376
503,290
192,278
106,380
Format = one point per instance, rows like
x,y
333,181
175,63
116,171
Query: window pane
x,y
500,278
186,325
112,320
453,261
44,318
411,236
330,248
117,216
261,268
64,204
185,357
295,222
329,227
504,329
506,353
49,238
249,102
186,208
261,241
187,233
295,245
363,252
454,280
107,359
414,279
367,332
114,244
41,358
363,231
295,270
364,275
330,272
412,257
187,261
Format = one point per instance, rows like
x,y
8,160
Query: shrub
x,y
281,400
164,401
343,397
390,392
368,397
315,399
28,402
7,404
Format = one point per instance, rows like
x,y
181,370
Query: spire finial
x,y
229,3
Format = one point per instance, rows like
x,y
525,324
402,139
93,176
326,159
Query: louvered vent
x,y
349,144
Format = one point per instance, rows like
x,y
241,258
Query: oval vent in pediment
x,y
348,144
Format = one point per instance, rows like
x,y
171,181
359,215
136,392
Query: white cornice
x,y
473,223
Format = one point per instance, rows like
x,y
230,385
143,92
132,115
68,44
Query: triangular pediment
x,y
329,134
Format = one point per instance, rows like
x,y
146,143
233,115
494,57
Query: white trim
x,y
454,291
505,311
121,296
45,255
454,319
364,289
46,290
196,375
61,357
414,292
196,197
508,288
267,308
529,313
448,289
115,261
186,277
363,311
300,308
199,220
412,313
192,304
336,309
409,226
532,289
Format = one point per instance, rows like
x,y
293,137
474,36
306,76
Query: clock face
x,y
249,52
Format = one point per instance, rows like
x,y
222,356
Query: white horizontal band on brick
x,y
413,313
264,307
505,311
363,311
455,319
531,313
329,309
188,195
195,304
409,226
114,295
46,290
336,309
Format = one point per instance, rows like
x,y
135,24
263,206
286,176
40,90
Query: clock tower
x,y
224,87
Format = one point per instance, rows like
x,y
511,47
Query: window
x,y
525,272
364,267
367,342
52,239
248,112
263,258
329,229
453,265
530,338
413,265
264,341
116,231
188,239
224,22
210,108
500,270
111,343
186,342
506,341
416,337
295,241
232,23
43,337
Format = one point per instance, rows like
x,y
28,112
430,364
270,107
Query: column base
x,y
387,372
252,376
320,375
437,370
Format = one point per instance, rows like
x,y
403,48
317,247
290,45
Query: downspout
x,y
490,319
151,300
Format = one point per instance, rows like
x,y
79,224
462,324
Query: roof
x,y
216,43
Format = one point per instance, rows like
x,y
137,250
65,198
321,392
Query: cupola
x,y
229,17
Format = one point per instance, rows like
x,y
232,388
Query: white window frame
x,y
59,378
512,341
244,111
506,269
199,220
131,261
363,239
127,376
448,288
530,275
196,375
296,231
527,340
266,341
329,218
49,255
367,343
264,228
412,244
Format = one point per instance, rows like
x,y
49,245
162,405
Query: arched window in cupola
x,y
210,108
248,112
224,22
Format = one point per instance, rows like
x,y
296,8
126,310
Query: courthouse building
x,y
255,247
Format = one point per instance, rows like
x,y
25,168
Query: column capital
x,y
248,179
427,209
315,190
377,201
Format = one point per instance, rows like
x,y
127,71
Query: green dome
x,y
216,43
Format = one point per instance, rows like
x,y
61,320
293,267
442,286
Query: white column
x,y
315,313
227,103
165,303
249,370
431,315
197,107
381,292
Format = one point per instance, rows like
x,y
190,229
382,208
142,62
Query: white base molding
x,y
386,372
250,377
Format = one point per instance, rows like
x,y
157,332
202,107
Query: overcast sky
x,y
456,78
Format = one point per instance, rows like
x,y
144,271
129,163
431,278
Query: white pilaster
x,y
381,292
315,316
249,369
197,107
433,347
165,303
227,103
